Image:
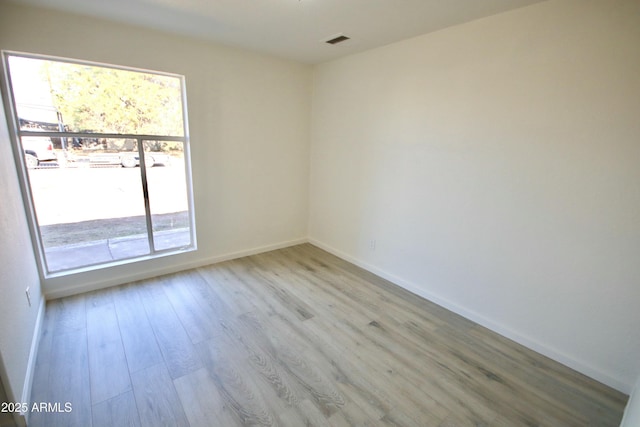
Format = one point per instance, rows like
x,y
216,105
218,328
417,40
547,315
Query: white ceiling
x,y
293,29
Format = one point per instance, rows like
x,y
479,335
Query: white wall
x,y
632,412
497,166
249,125
18,320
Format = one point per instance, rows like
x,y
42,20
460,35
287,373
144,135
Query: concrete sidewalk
x,y
101,251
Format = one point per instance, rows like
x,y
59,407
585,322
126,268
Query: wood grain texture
x,y
176,347
69,314
156,398
199,320
202,401
295,337
107,362
69,381
236,384
120,411
138,339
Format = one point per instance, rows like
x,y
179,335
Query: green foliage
x,y
109,100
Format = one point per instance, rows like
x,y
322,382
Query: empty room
x,y
320,213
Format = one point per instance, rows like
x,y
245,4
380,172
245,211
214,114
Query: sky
x,y
31,89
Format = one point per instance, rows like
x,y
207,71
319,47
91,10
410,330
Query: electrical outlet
x,y
372,245
28,292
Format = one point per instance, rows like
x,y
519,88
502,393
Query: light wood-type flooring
x,y
294,337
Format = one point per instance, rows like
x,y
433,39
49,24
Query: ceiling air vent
x,y
337,39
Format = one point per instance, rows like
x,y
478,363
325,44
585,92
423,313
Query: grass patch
x,y
103,229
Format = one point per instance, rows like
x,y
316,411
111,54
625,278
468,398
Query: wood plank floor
x,y
295,337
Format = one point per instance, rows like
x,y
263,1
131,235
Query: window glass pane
x,y
90,209
62,96
167,194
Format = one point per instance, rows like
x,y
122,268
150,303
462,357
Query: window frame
x,y
13,123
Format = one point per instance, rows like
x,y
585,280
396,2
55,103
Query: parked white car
x,y
37,150
130,159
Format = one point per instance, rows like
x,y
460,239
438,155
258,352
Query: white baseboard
x,y
170,268
33,356
621,384
632,411
249,252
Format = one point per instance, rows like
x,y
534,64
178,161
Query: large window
x,y
104,158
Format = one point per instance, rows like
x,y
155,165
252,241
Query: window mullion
x,y
145,193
